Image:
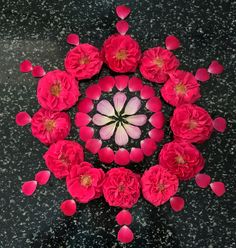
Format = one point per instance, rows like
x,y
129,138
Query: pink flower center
x,y
84,60
159,62
121,55
180,89
85,180
192,124
160,187
121,188
56,89
64,159
49,125
179,159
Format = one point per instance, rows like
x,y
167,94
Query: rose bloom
x,y
157,63
158,185
180,88
49,126
84,183
191,123
181,159
57,91
84,61
121,53
121,188
62,156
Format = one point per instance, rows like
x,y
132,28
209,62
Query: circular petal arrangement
x,y
120,120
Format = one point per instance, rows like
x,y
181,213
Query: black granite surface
x,y
36,30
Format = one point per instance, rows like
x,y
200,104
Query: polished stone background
x,y
36,30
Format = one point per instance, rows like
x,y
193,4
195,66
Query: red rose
x,y
62,156
181,159
121,53
180,88
156,64
84,61
84,183
49,126
191,123
158,185
57,91
121,188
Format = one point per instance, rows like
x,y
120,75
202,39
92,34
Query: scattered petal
x,y
122,27
93,92
22,119
133,131
172,42
148,146
215,67
135,84
177,203
147,92
106,155
101,120
137,120
157,120
106,83
124,217
73,39
154,104
202,180
125,235
133,106
85,105
218,188
104,107
122,11
38,71
107,131
93,145
29,187
86,133
82,119
68,207
121,82
122,157
119,100
42,177
202,75
26,66
156,134
121,137
219,124
136,155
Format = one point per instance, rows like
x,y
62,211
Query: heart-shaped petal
x,y
122,157
38,71
29,187
124,217
218,188
68,207
82,119
135,84
104,107
121,137
73,39
26,66
122,11
202,180
86,133
133,106
93,92
148,146
85,105
125,235
121,82
147,92
202,75
106,83
219,124
106,155
101,120
22,119
156,134
122,27
154,104
107,131
172,42
136,155
137,120
215,67
157,120
177,203
42,177
93,145
133,131
119,100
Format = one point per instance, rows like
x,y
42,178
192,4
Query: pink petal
x,y
157,120
147,92
106,83
219,124
135,84
136,155
172,42
202,180
215,67
218,188
93,145
133,106
119,100
137,120
154,104
104,107
125,235
38,71
122,27
122,11
82,119
148,146
106,155
107,131
93,92
68,207
101,120
121,82
121,137
122,157
22,118
156,134
85,105
86,133
177,203
72,39
133,131
202,75
124,217
42,177
26,66
29,187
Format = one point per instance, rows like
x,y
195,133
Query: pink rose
x,y
181,159
121,188
62,156
191,123
57,91
49,126
158,185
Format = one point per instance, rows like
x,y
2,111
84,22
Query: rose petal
x,y
124,217
85,105
22,118
119,100
38,71
122,11
107,131
121,137
154,104
215,67
135,84
29,187
106,83
93,92
42,177
122,27
137,120
125,235
68,207
26,66
148,146
101,120
147,92
156,134
177,203
84,163
136,155
93,145
121,82
218,188
86,133
133,131
106,155
202,180
172,42
72,39
202,75
82,119
219,124
157,120
122,157
104,107
133,106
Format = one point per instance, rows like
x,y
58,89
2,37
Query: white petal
x,y
119,100
137,120
121,137
101,120
107,131
133,105
104,107
133,131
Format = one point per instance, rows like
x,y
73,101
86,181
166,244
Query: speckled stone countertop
x,y
37,30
